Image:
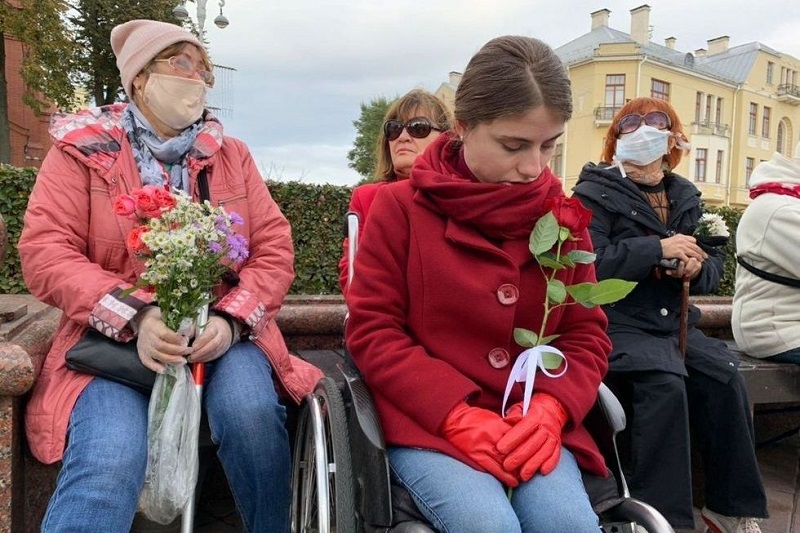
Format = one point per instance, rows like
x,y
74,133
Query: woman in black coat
x,y
644,216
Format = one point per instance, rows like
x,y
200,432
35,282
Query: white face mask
x,y
643,146
174,100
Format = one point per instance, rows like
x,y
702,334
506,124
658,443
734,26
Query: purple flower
x,y
215,247
237,248
236,218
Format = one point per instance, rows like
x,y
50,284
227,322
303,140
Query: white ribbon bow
x,y
524,369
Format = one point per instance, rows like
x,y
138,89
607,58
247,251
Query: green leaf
x,y
544,235
551,361
550,338
582,256
548,260
563,233
611,290
567,262
601,293
556,292
581,292
525,337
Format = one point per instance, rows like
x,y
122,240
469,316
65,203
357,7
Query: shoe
x,y
717,523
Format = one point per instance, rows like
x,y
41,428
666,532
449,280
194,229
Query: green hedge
x,y
15,187
315,211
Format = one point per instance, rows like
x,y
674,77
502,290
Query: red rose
x,y
134,240
144,200
164,198
125,205
570,213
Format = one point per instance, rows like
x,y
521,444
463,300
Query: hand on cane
x,y
215,339
534,442
475,432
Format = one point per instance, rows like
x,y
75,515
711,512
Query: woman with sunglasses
x,y
74,257
444,275
412,122
644,217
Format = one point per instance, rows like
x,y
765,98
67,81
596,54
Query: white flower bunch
x,y
712,225
187,247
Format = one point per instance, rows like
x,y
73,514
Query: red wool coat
x,y
435,303
360,203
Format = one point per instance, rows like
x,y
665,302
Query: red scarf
x,y
498,210
775,188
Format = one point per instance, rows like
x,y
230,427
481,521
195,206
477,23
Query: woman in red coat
x,y
412,122
445,275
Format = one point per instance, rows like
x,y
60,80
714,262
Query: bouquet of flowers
x,y
565,221
712,230
186,247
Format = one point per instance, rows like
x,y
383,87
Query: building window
x,y
615,91
770,71
700,159
749,165
781,138
765,122
659,89
557,161
751,127
719,111
720,157
709,105
698,107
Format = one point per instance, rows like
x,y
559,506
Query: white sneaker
x,y
717,523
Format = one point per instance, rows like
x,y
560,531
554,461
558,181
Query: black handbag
x,y
102,356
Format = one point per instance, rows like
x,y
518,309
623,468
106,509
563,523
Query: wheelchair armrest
x,y
611,408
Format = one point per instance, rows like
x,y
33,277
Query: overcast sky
x,y
303,67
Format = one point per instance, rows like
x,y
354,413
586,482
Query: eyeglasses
x,y
183,65
656,119
417,127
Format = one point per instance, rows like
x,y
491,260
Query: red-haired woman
x,y
645,213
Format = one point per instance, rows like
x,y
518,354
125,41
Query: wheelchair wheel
x,y
322,477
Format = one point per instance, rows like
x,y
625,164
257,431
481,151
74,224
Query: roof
x,y
732,66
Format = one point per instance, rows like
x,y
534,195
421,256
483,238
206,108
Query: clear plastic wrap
x,y
172,434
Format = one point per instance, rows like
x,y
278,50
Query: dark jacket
x,y
626,232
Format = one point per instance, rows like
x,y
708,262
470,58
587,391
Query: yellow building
x,y
738,104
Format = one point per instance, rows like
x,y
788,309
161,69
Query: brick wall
x,y
26,128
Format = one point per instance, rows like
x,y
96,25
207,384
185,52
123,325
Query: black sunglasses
x,y
655,119
417,127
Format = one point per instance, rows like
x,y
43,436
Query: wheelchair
x,y
340,471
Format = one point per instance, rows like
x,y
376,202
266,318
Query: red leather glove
x,y
534,442
475,432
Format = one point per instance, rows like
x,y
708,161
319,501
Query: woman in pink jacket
x,y
75,257
411,123
445,275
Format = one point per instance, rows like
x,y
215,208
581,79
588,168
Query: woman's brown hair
x,y
511,75
642,106
415,103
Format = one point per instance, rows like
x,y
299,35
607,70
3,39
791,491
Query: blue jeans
x,y
456,498
790,356
106,455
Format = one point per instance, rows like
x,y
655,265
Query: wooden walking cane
x,y
198,376
684,316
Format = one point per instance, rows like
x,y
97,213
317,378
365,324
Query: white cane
x,y
198,376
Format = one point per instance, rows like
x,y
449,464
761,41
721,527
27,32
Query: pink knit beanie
x,y
136,42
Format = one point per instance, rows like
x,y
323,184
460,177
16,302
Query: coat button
x,y
498,358
507,294
664,312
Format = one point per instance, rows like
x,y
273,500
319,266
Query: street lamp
x,y
181,13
